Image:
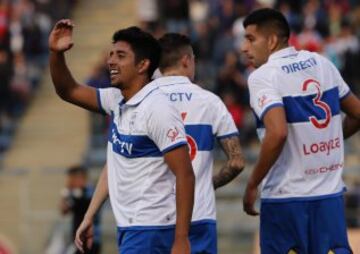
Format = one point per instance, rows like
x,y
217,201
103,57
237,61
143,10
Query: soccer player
x,y
297,97
147,149
205,117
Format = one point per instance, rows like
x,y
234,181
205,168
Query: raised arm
x,y
351,106
60,41
84,234
235,161
179,162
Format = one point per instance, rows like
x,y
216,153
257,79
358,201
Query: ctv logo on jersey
x,y
320,124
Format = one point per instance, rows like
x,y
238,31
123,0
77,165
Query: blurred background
x,y
41,137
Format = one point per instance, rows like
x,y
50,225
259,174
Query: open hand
x,y
249,200
60,39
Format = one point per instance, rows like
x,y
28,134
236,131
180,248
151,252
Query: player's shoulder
x,y
265,73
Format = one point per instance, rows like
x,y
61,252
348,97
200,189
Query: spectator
x,y
76,197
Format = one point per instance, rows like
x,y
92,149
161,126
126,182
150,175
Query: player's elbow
x,y
64,94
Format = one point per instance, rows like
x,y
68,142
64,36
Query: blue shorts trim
x,y
307,227
159,239
295,199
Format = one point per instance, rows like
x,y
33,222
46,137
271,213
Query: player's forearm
x,y
228,172
100,195
61,76
271,148
350,126
235,163
185,185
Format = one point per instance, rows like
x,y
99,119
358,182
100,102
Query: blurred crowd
x,y
24,29
330,27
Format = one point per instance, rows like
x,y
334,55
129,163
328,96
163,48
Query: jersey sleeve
x,y
263,95
344,89
165,127
223,123
108,98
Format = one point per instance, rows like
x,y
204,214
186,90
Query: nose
x,y
243,46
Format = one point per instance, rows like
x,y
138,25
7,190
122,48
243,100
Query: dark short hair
x,y
269,18
173,47
76,169
144,45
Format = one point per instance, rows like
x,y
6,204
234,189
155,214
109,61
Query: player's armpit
x,y
235,163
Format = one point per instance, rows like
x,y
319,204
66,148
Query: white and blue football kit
x,y
305,183
141,186
206,118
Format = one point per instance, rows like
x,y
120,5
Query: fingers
x,y
250,210
79,243
64,23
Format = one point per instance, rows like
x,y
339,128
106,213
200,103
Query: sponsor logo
x,y
124,146
263,100
322,147
172,134
324,169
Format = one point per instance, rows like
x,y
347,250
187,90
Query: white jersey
x,y
310,88
141,186
206,118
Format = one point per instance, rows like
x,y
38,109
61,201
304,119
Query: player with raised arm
x,y
205,117
147,153
297,97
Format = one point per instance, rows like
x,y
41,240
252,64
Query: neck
x,y
174,72
134,87
279,47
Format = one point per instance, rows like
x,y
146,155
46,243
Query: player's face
x,y
121,64
255,46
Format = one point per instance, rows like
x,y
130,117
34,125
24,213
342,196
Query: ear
x,y
185,61
143,66
273,42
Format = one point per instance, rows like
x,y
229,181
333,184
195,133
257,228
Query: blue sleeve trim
x,y
101,109
346,95
278,104
172,147
228,135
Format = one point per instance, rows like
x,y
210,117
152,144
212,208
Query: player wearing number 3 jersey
x,y
297,97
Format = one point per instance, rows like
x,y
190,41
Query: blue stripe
x,y
101,109
300,108
174,146
294,199
202,134
132,146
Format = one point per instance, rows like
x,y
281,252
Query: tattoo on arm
x,y
235,163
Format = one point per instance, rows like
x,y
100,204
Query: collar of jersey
x,y
283,53
142,94
171,80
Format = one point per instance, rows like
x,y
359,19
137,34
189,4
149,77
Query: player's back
x,y
310,89
205,118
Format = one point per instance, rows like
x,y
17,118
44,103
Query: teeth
x,y
114,72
